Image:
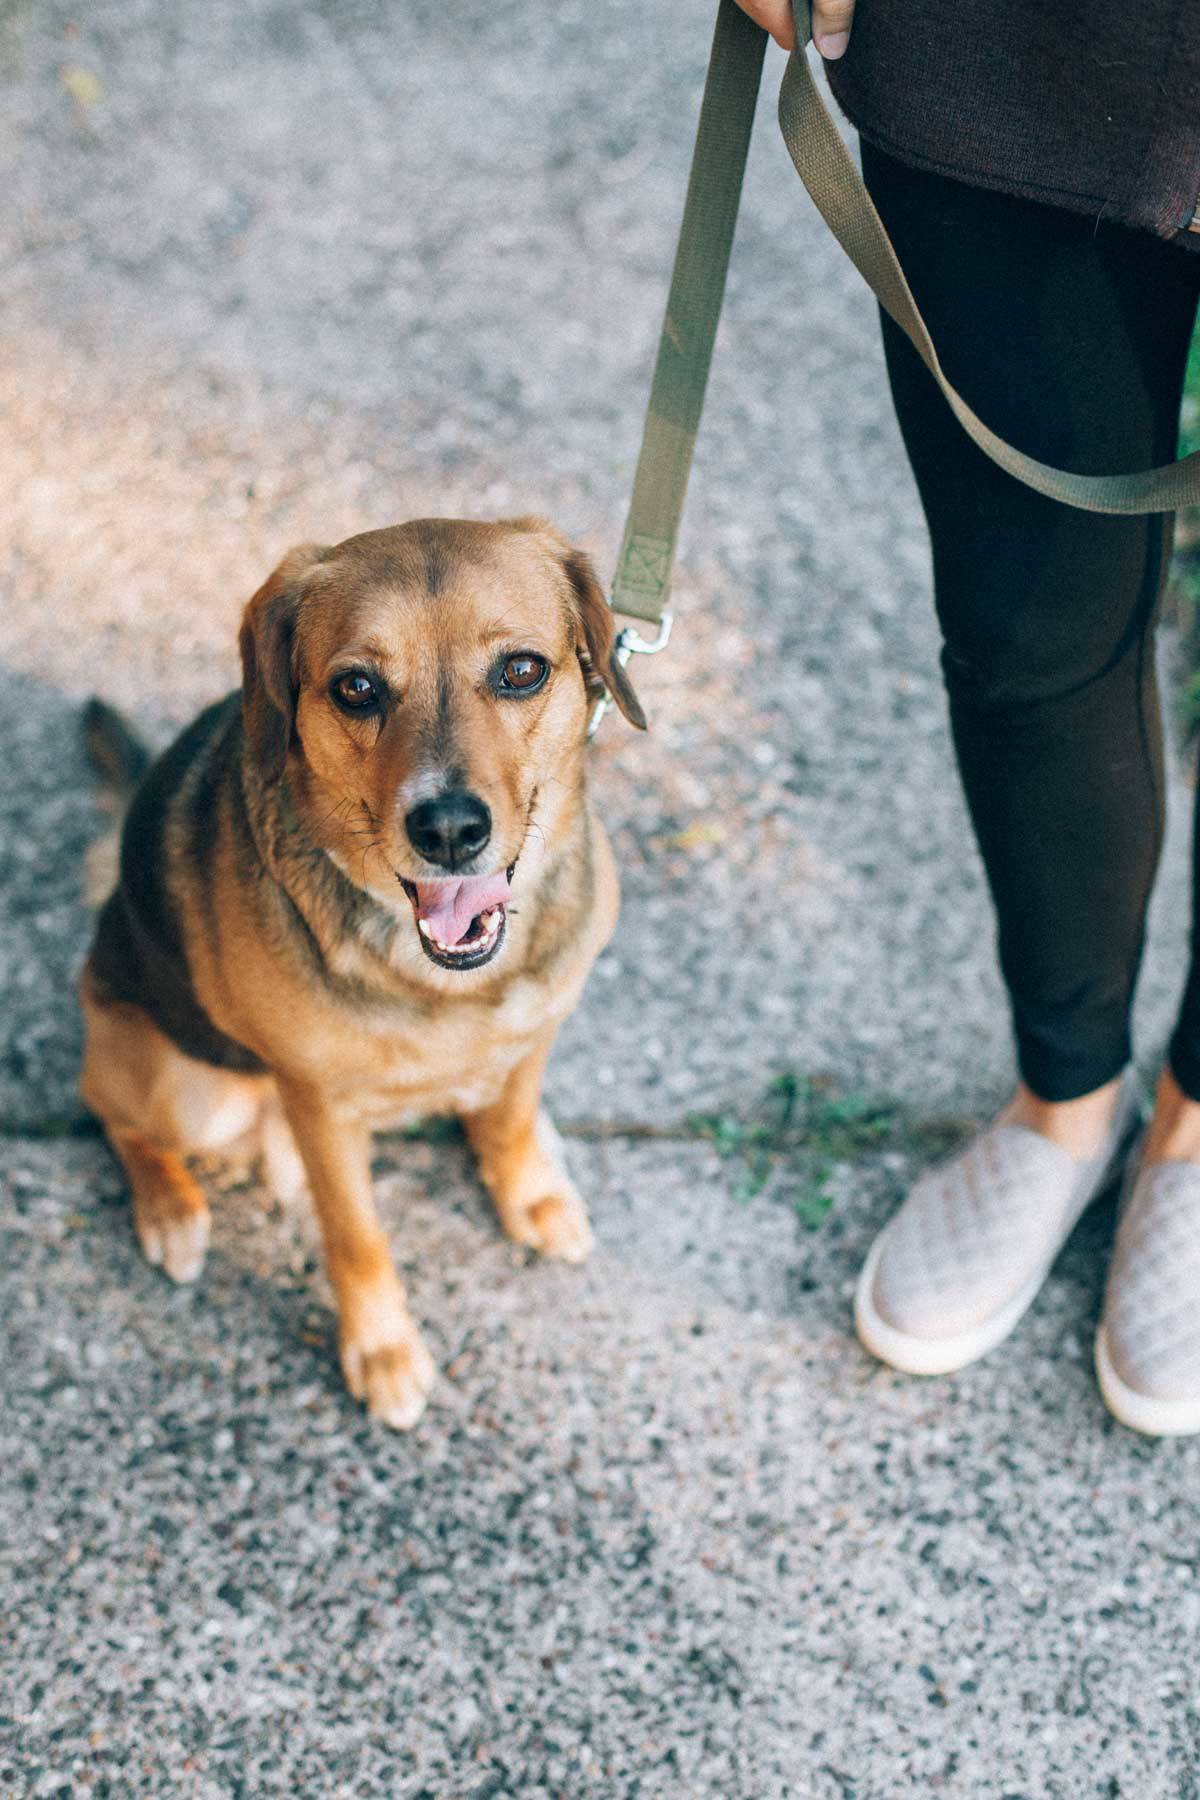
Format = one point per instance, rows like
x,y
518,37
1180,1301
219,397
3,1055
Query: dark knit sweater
x,y
1093,105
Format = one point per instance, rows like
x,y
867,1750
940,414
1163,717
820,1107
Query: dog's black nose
x,y
450,830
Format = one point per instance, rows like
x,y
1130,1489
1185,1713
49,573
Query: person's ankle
x,y
1080,1127
1174,1131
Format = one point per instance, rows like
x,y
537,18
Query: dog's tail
x,y
120,758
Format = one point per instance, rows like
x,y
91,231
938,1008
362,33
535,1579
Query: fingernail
x,y
832,44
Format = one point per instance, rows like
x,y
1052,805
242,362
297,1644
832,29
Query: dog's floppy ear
x,y
268,678
597,630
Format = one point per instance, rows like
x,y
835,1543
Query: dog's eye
x,y
523,674
355,692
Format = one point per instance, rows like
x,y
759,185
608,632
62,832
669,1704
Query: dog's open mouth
x,y
461,920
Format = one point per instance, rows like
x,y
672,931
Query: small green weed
x,y
802,1123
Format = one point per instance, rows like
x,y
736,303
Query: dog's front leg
x,y
383,1359
522,1166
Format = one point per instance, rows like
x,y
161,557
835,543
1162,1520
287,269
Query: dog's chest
x,y
444,1076
456,1061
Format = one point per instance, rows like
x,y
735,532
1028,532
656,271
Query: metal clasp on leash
x,y
630,642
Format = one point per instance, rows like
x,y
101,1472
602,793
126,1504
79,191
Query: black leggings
x,y
1070,338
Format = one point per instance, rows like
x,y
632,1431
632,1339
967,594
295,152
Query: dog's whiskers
x,y
334,811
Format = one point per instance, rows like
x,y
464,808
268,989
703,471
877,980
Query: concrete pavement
x,y
280,273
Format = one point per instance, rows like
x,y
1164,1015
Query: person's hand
x,y
831,21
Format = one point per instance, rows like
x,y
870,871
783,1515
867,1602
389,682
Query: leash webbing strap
x,y
693,309
828,171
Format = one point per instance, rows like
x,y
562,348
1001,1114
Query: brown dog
x,y
312,932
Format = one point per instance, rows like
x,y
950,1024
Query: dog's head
x,y
426,689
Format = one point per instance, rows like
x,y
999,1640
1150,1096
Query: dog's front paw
x,y
537,1202
392,1376
555,1224
173,1238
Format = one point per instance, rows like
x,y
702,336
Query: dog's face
x,y
426,689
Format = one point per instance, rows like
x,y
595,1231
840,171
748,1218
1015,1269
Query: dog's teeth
x,y
489,929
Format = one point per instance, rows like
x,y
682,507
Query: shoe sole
x,y
934,1356
1141,1412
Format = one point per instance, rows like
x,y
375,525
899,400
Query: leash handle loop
x,y
828,171
641,586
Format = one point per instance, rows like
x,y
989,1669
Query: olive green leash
x,y
642,584
693,310
641,587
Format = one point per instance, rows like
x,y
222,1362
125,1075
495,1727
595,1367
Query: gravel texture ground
x,y
274,273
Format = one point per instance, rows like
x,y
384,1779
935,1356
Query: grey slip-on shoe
x,y
1148,1341
960,1262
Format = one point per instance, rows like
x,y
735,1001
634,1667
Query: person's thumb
x,y
831,21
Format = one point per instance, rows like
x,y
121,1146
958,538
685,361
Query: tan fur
x,y
356,1026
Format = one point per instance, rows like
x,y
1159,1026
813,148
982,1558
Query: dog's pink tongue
x,y
449,906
